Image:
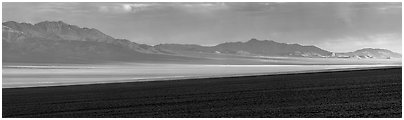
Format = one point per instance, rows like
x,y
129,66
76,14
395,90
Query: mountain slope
x,y
250,48
61,31
271,48
370,53
59,42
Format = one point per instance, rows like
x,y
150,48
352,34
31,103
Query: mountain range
x,y
58,42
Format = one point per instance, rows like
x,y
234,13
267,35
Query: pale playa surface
x,y
54,75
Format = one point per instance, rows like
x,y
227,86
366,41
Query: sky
x,y
337,27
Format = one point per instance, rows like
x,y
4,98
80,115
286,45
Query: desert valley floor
x,y
350,93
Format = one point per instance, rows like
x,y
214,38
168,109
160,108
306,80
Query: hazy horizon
x,y
337,27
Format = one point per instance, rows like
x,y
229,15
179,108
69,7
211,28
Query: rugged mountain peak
x,y
17,26
253,40
53,26
59,30
9,23
58,25
371,49
370,53
270,48
52,22
13,23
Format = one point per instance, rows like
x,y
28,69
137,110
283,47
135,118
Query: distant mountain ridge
x,y
60,42
252,47
59,30
56,41
370,53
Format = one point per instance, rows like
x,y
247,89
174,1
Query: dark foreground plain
x,y
354,93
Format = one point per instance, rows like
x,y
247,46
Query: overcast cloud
x,y
337,27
